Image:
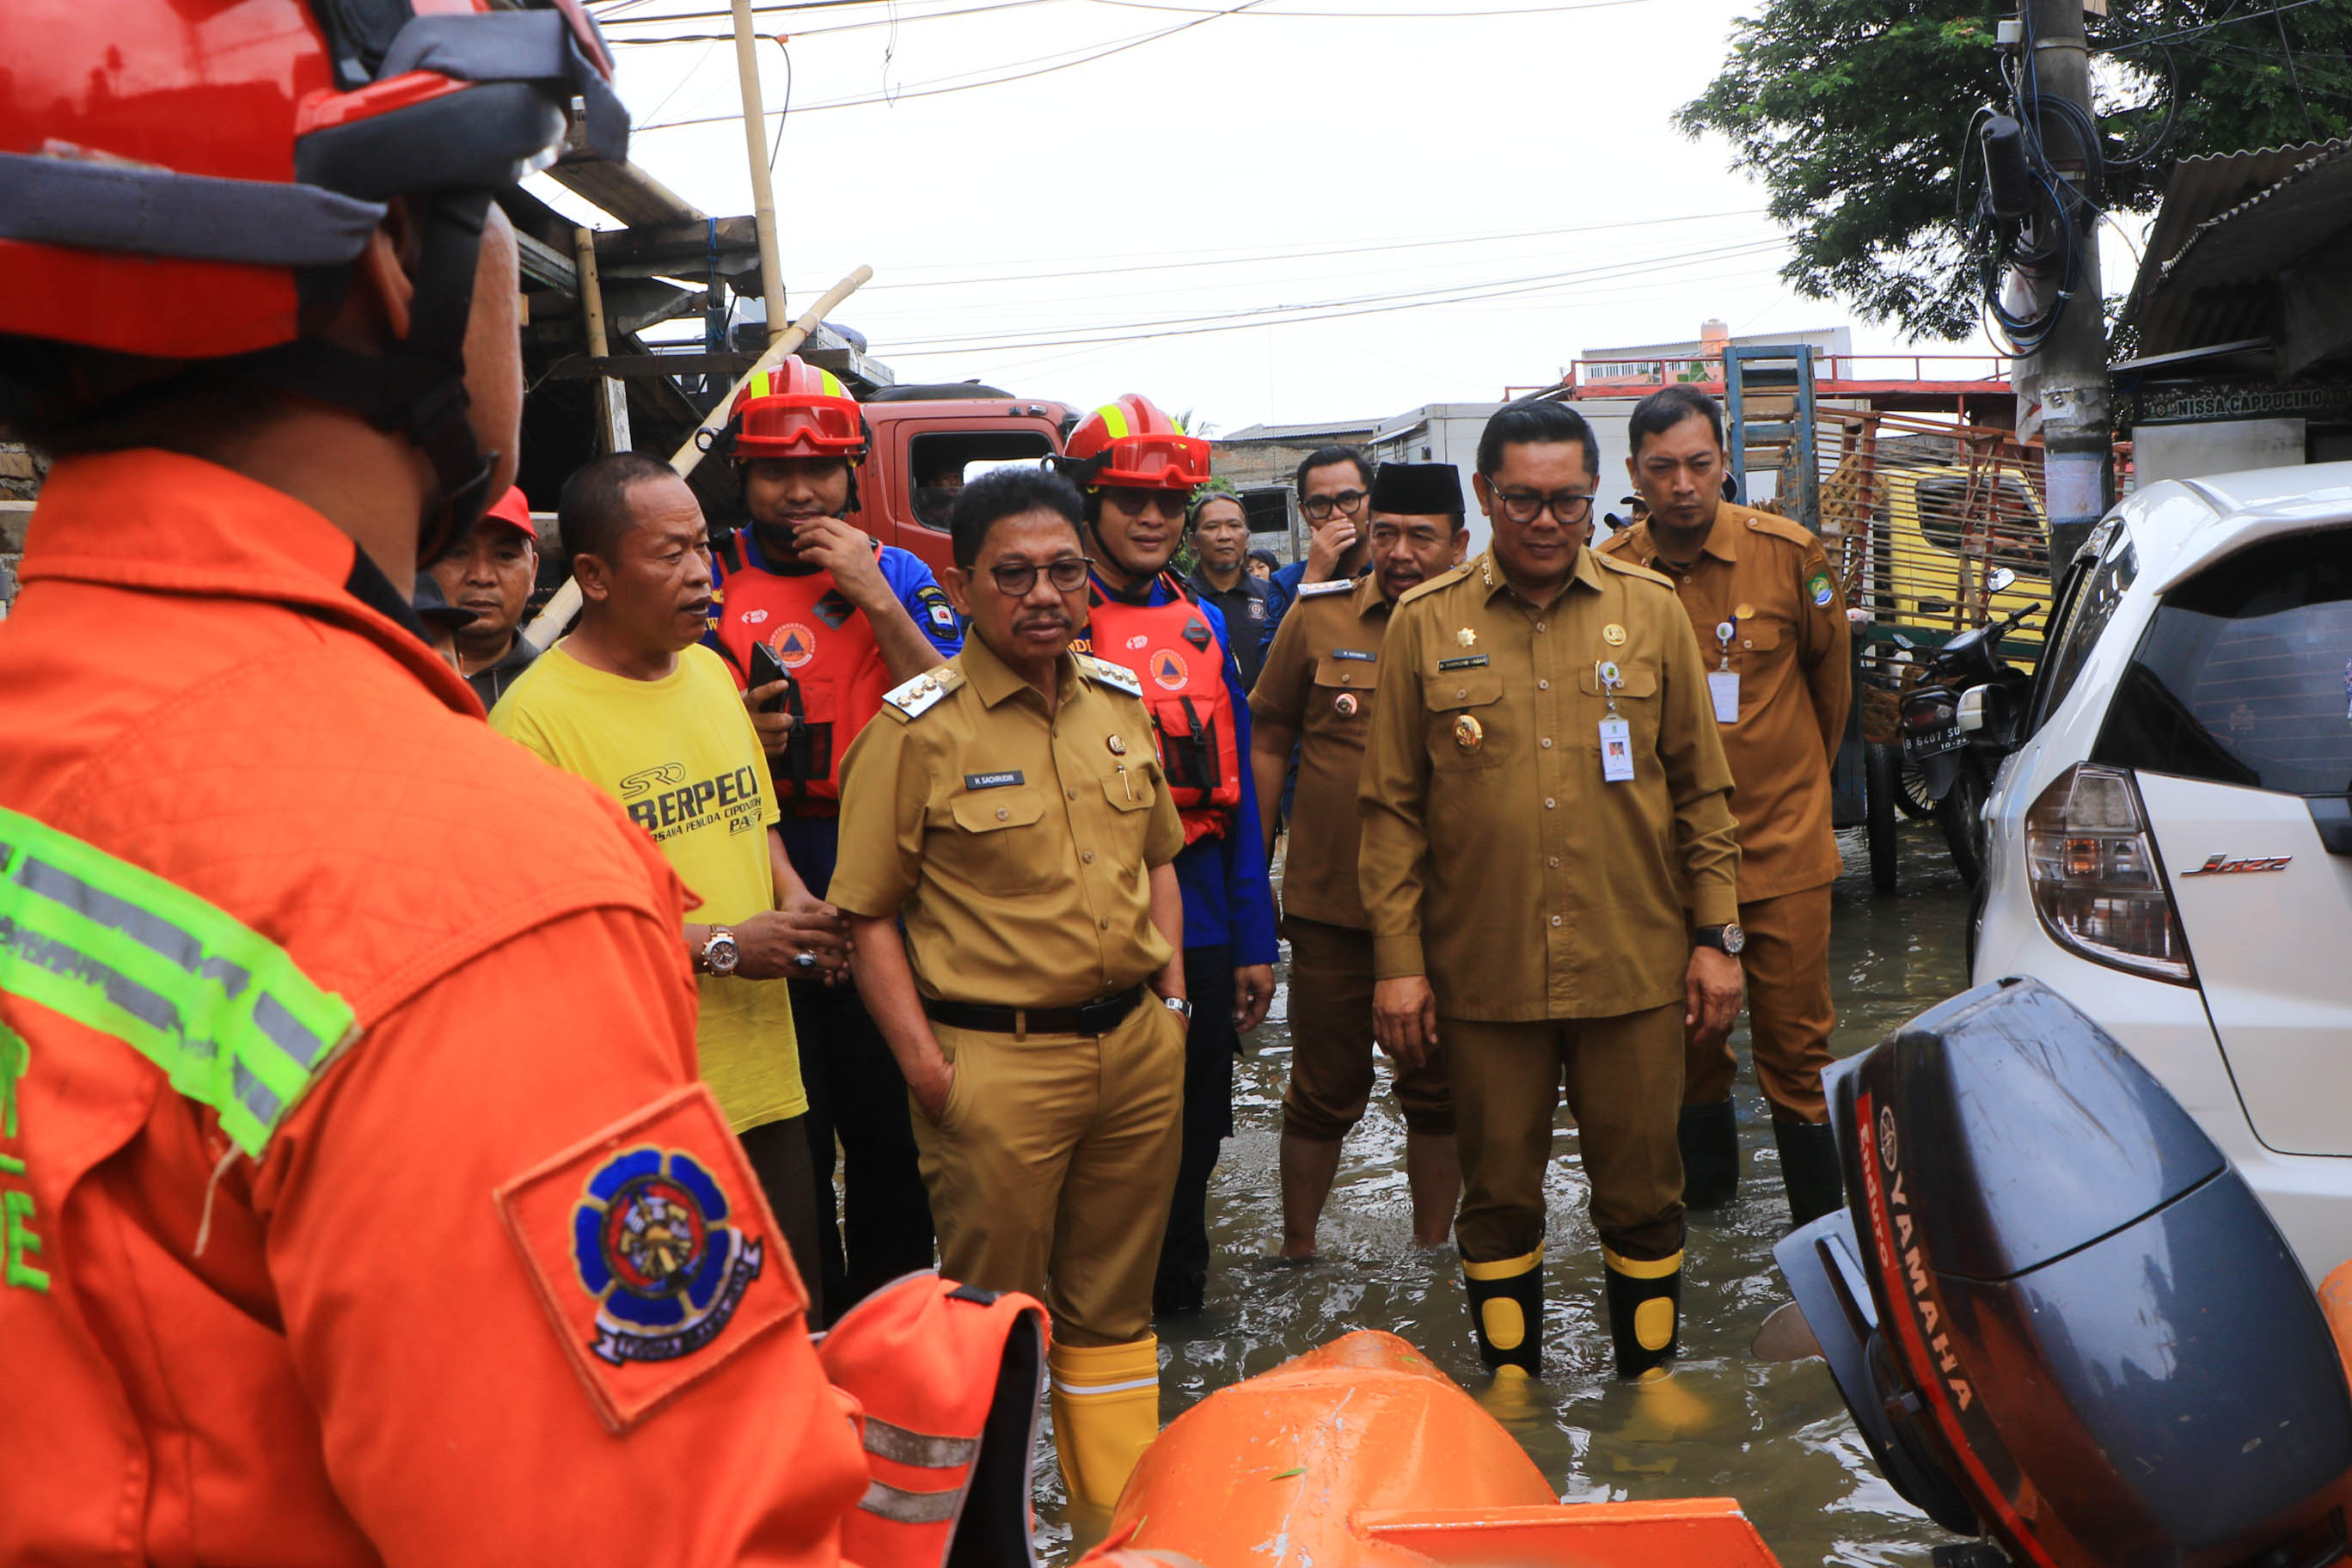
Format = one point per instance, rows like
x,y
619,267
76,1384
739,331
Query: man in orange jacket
x,y
341,1220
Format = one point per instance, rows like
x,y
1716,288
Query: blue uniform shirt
x,y
813,843
1226,896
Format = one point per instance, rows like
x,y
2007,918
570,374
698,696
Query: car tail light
x,y
2097,881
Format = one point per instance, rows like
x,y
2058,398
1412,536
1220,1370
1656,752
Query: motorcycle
x,y
1964,716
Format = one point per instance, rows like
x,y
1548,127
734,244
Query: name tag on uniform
x,y
1360,655
1472,662
1616,751
992,781
1723,685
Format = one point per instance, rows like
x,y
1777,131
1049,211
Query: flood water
x,y
1774,1436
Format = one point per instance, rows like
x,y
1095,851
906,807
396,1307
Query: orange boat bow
x,y
1363,1455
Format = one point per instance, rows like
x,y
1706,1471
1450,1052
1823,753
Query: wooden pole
x,y
611,395
564,603
755,144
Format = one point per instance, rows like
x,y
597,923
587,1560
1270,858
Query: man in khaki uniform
x,y
1315,692
1008,805
1542,773
1772,630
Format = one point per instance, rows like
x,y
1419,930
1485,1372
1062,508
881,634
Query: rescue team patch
x,y
653,1253
1169,671
1197,634
1819,587
937,610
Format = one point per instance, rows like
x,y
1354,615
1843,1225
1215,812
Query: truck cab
x,y
929,441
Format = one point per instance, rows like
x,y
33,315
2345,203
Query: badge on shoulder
x,y
653,1253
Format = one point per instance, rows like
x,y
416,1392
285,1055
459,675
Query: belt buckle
x,y
1100,1017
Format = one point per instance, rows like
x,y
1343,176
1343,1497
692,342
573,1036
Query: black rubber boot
x,y
1710,1136
1645,1311
1507,1310
1808,1169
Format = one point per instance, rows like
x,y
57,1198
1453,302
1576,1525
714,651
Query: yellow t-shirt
x,y
680,755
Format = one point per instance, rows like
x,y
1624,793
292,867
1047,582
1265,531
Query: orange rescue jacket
x,y
484,1279
1179,665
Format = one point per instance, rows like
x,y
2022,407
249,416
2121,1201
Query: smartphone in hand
x,y
766,670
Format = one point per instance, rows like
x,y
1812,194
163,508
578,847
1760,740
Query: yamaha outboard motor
x,y
2059,1316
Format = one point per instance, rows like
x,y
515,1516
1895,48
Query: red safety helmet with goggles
x,y
180,184
796,410
1131,444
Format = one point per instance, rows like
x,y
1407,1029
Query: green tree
x,y
1856,113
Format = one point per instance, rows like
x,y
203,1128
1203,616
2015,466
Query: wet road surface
x,y
1774,1436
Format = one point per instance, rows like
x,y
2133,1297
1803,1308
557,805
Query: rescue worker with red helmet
x,y
846,618
1137,469
325,1194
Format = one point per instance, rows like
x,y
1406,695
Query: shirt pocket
x,y
1637,704
1463,718
1131,796
1340,703
1005,844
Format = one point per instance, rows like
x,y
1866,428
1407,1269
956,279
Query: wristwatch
x,y
719,953
1730,939
1178,1006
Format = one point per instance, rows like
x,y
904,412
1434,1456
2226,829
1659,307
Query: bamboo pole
x,y
612,397
755,144
564,603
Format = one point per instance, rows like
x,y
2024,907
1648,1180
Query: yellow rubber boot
x,y
1645,1300
1105,1413
1507,1310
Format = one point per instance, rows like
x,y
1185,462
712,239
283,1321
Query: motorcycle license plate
x,y
1936,744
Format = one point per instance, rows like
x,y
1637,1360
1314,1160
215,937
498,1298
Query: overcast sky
x,y
1303,164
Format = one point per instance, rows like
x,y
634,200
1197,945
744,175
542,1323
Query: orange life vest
x,y
949,1377
828,649
1179,665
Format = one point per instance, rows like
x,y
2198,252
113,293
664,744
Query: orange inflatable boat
x,y
1363,1455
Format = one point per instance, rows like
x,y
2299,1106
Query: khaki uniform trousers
x,y
1051,1165
1331,1041
1623,1079
1790,1016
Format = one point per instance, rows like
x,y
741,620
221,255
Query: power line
x,y
950,85
1243,261
1386,15
2204,27
633,40
1278,315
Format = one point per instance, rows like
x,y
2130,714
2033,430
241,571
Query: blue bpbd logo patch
x,y
652,1243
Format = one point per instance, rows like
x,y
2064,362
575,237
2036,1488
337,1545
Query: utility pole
x,y
2066,376
755,143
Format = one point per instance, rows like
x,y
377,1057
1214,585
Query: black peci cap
x,y
1417,489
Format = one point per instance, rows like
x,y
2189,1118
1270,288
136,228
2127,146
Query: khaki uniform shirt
x,y
1016,844
1318,680
1495,859
1766,576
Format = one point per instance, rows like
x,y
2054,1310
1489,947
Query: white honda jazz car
x,y
2170,848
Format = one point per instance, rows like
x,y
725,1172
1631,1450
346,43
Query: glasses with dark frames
x,y
1320,507
1015,578
1526,506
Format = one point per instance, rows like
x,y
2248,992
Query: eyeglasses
x,y
1526,506
1320,507
1015,578
1168,504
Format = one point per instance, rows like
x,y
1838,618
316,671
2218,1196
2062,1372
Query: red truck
x,y
927,440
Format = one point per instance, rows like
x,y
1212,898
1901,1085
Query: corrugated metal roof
x,y
2229,222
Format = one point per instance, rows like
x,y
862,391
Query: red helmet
x,y
797,410
177,182
1131,444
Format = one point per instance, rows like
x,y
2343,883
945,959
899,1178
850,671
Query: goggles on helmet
x,y
1152,463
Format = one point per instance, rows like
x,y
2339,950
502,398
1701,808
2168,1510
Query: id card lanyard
x,y
1616,735
1723,681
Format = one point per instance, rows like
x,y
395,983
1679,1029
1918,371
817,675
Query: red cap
x,y
514,509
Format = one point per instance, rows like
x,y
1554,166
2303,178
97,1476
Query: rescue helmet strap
x,y
419,390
